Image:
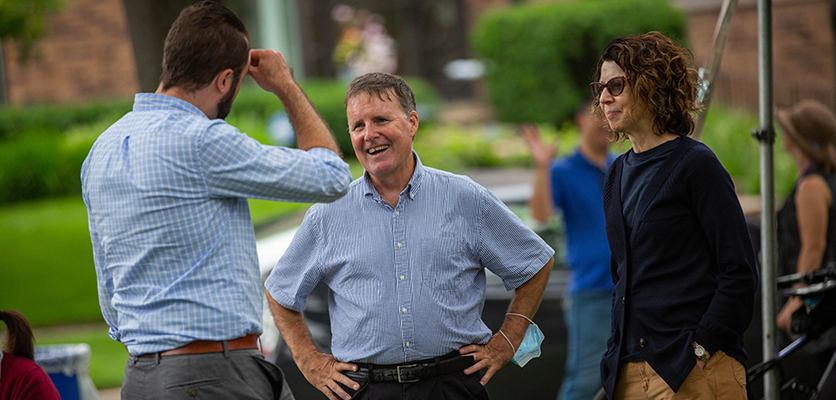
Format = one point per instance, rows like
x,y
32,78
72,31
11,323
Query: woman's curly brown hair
x,y
661,76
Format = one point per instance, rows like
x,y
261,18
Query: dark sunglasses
x,y
615,86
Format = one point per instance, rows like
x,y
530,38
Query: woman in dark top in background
x,y
807,221
682,262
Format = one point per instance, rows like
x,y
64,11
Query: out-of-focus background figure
x,y
574,187
807,221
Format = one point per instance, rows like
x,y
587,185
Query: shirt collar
x,y
155,101
581,160
412,187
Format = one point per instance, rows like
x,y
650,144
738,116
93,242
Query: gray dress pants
x,y
239,374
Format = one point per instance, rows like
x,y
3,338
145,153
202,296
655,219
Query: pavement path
x,y
110,394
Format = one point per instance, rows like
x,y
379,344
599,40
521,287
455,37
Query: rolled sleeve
x,y
235,165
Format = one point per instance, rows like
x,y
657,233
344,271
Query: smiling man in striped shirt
x,y
404,256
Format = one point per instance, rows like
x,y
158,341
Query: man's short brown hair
x,y
206,39
380,84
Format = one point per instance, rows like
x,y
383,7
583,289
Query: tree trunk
x,y
148,24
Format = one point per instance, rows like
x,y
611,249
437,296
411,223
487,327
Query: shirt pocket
x,y
443,264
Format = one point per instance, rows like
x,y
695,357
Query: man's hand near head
x,y
269,69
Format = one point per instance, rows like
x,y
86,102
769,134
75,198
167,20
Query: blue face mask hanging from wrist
x,y
530,346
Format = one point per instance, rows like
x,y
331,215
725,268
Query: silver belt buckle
x,y
401,380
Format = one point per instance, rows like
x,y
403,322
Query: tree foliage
x,y
25,21
543,55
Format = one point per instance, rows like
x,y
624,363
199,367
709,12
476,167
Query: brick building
x,y
803,50
87,53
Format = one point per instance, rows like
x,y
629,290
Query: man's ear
x,y
224,81
413,122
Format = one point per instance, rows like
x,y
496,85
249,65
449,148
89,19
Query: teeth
x,y
374,150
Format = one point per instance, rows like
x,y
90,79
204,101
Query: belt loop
x,y
371,373
157,358
226,349
260,349
136,358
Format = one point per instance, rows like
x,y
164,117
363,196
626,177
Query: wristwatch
x,y
701,353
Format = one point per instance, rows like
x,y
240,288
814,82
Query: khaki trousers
x,y
723,378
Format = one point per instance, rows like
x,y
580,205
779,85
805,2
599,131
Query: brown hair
x,y
206,38
661,75
19,336
380,84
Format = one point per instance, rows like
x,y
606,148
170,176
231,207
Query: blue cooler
x,y
66,365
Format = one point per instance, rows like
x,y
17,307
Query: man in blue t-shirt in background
x,y
574,185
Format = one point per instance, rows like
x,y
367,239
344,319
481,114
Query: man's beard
x,y
225,105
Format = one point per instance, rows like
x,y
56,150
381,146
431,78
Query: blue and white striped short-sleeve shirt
x,y
407,283
173,241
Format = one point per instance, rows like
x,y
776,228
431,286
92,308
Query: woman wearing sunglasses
x,y
682,261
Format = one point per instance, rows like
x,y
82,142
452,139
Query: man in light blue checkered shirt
x,y
404,255
166,190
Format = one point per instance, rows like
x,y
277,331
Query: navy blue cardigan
x,y
687,272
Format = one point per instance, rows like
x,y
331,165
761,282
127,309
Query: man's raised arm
x,y
270,71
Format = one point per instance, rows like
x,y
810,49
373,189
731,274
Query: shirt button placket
x,y
404,288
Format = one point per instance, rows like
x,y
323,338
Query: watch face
x,y
699,351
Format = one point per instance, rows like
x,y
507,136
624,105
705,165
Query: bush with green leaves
x,y
542,56
55,119
728,133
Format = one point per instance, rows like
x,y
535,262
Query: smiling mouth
x,y
378,149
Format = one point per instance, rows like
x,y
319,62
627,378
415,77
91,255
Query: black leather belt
x,y
408,373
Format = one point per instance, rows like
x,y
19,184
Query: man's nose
x,y
370,133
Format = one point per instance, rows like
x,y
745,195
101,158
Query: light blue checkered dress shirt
x,y
407,283
173,241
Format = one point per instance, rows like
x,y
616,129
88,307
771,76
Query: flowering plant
x,y
364,45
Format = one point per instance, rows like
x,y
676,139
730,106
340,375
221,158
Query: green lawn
x,y
47,262
108,357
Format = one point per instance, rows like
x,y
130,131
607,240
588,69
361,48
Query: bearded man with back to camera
x,y
166,190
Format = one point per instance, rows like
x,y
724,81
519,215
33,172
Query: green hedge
x,y
57,118
543,56
42,147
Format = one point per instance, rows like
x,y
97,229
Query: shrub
x,y
40,165
57,118
543,56
728,133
